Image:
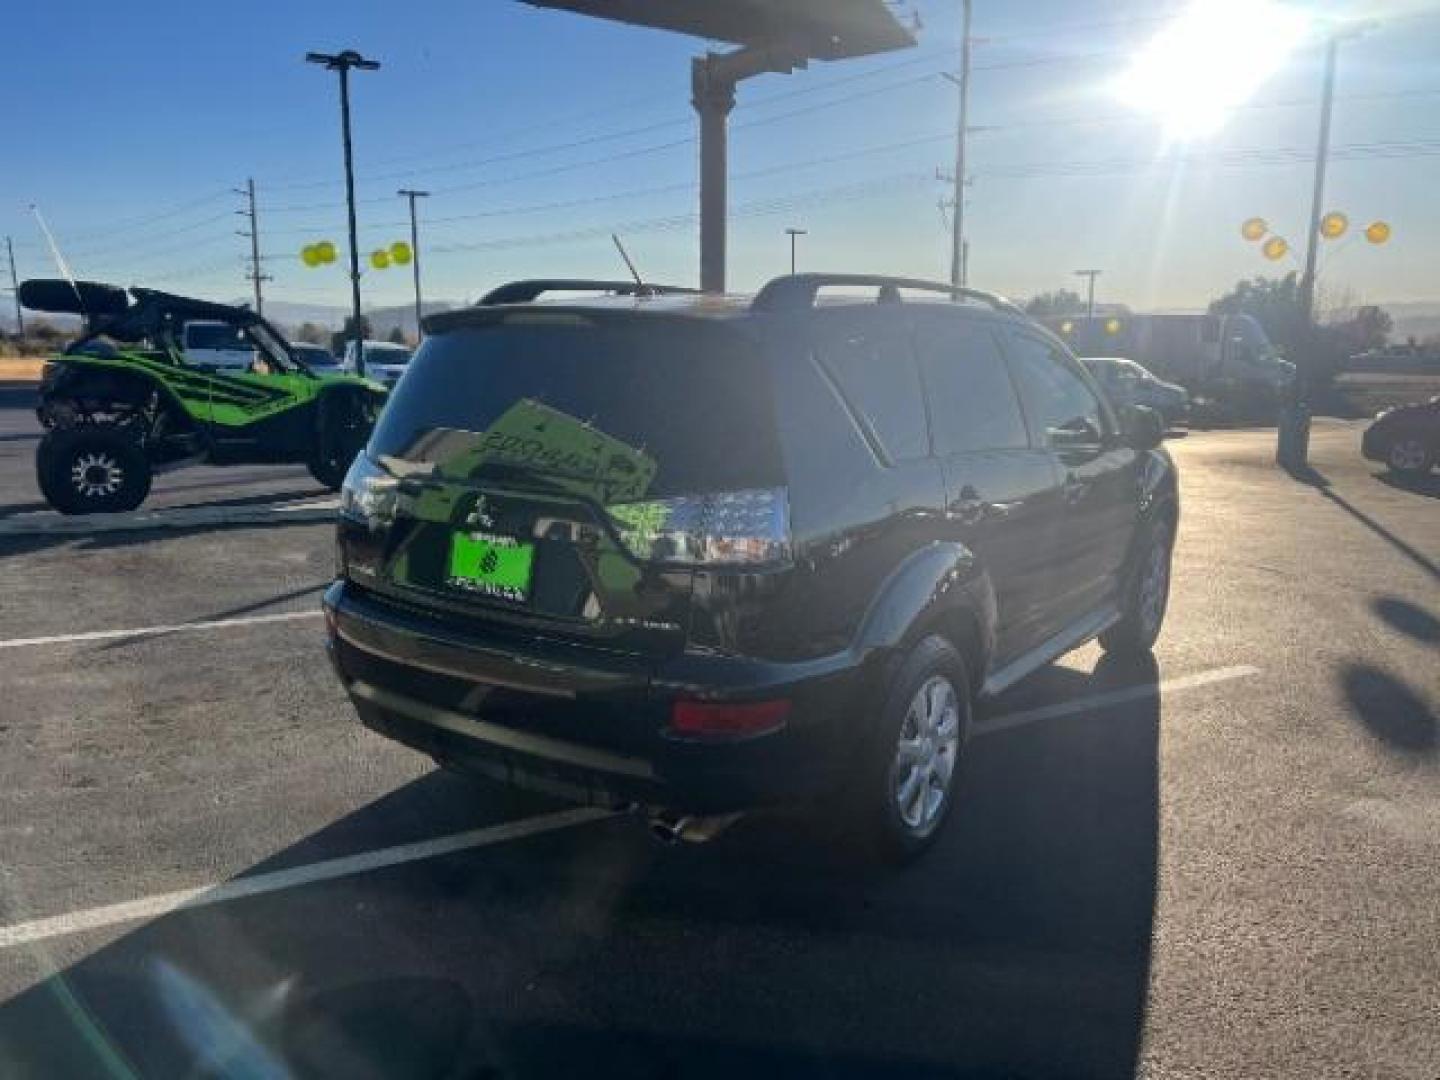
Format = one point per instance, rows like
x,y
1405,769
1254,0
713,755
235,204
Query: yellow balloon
x,y
400,253
1254,228
310,256
1378,232
1333,225
379,258
1112,326
326,251
1275,248
1067,327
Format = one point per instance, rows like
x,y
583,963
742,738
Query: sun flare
x,y
1211,58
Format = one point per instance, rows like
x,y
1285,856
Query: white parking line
x,y
151,631
149,907
152,906
1011,721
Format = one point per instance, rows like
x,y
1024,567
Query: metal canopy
x,y
771,35
814,29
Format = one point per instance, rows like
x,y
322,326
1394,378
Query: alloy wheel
x,y
926,755
97,475
1407,455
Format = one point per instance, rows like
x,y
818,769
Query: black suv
x,y
699,554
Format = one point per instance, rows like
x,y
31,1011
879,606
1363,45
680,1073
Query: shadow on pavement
x,y
29,543
1391,711
1408,618
1307,474
1427,484
1020,945
228,613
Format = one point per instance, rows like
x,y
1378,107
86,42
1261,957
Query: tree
x,y
1050,304
1275,302
337,341
1372,326
396,336
312,333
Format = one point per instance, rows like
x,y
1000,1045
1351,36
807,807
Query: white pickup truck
x,y
217,345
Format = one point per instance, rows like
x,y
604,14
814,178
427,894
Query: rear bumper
x,y
584,724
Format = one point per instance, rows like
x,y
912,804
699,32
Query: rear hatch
x,y
563,471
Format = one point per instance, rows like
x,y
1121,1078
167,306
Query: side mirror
x,y
1143,428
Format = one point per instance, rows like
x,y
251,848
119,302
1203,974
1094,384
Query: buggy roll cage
x,y
108,312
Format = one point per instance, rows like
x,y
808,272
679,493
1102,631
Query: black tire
x,y
344,428
1147,593
92,470
1407,455
883,776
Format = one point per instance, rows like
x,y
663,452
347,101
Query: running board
x,y
1069,639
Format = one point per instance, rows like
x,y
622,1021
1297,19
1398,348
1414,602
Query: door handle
x,y
971,509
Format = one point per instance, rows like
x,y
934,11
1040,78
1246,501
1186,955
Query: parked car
x,y
704,554
216,345
1128,383
1406,438
317,358
385,361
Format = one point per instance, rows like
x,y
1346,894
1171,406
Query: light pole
x,y
1090,301
958,246
412,195
1292,442
15,285
343,62
793,233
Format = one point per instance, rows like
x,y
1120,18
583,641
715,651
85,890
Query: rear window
x,y
658,407
214,336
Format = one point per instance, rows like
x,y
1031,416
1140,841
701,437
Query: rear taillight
x,y
726,528
708,718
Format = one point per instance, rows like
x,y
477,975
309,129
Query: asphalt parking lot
x,y
1226,863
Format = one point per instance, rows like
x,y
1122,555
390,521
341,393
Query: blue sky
x,y
539,132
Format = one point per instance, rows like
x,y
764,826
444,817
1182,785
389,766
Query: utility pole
x,y
1292,445
415,248
342,63
957,239
1090,302
254,234
15,284
793,233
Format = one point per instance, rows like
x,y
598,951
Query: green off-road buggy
x,y
124,401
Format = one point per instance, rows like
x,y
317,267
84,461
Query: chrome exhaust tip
x,y
670,829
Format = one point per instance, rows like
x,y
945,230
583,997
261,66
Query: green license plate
x,y
497,566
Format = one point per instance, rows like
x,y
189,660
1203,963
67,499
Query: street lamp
x,y
342,63
793,233
1090,302
1292,446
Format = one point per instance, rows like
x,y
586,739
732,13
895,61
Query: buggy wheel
x,y
92,470
345,423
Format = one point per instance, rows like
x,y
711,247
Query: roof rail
x,y
797,291
522,292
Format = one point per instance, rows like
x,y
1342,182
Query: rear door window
x,y
875,370
619,408
972,400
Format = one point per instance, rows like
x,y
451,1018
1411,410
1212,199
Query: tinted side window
x,y
877,374
1061,407
972,400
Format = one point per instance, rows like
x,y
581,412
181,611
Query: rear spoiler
x,y
88,298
